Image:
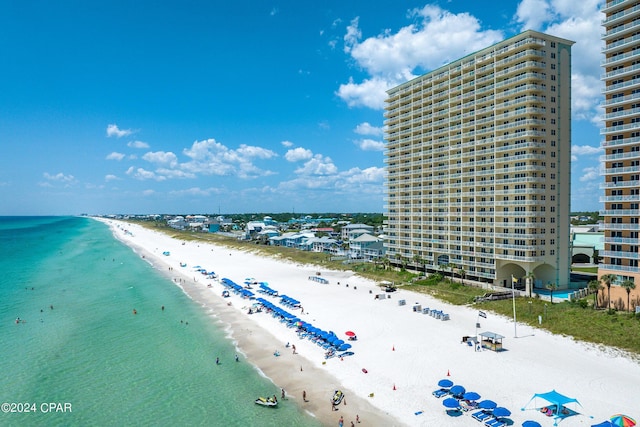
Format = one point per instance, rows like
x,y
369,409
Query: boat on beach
x,y
267,401
338,395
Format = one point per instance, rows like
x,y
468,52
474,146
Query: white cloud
x,y
60,177
113,130
115,156
143,174
209,157
162,158
137,144
590,174
370,145
297,154
435,38
318,165
532,14
287,143
111,177
370,93
367,129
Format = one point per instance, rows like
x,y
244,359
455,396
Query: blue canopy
x,y
457,389
559,400
445,383
471,396
451,403
604,424
487,404
501,412
530,423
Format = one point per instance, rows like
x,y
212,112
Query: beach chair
x,y
494,423
440,392
481,416
444,317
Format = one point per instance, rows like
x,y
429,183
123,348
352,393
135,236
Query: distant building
x,y
586,244
355,230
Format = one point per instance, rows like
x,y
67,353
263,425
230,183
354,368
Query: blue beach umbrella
x,y
487,404
451,403
457,390
445,383
471,396
501,412
530,423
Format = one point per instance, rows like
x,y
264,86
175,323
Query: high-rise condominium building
x,y
621,140
478,164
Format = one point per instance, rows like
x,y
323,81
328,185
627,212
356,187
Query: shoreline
x,y
294,373
405,353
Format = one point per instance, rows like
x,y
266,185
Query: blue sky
x,y
243,106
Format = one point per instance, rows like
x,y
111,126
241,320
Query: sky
x,y
219,107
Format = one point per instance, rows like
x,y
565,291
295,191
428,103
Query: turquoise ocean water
x,y
78,344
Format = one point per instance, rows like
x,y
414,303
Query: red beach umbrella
x,y
350,334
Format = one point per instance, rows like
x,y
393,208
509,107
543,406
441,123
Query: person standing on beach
x,y
282,394
341,422
304,395
294,348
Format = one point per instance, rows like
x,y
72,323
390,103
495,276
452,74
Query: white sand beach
x,y
404,353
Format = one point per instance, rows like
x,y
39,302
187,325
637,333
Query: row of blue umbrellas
x,y
329,337
236,288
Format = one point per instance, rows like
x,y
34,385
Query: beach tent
x,y
559,405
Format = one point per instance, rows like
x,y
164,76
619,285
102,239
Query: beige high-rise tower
x,y
621,142
478,165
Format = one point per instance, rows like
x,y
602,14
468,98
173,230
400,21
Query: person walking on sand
x,y
304,395
357,418
294,348
341,422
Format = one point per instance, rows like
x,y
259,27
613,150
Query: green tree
x,y
595,286
463,273
628,286
551,287
608,280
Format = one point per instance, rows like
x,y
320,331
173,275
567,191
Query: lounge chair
x,y
494,423
481,416
440,392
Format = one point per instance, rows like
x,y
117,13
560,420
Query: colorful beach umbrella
x,y
445,383
451,403
350,334
621,420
